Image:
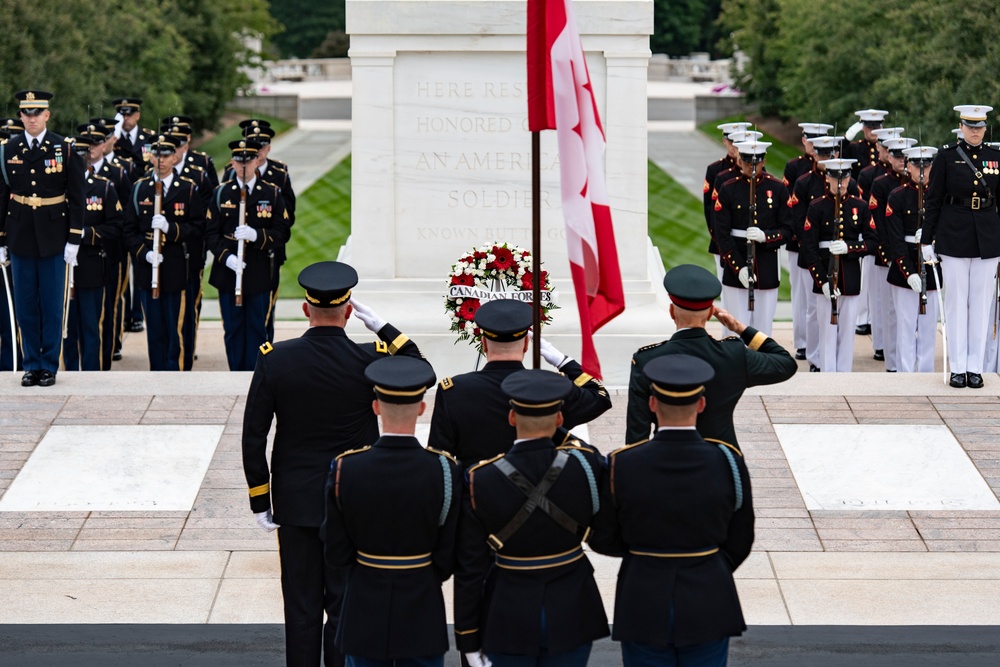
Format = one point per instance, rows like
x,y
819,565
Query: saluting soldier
x,y
523,586
838,232
728,162
748,359
316,388
470,412
767,226
879,292
680,511
864,151
134,141
916,333
265,228
963,224
391,517
41,223
181,220
89,336
10,348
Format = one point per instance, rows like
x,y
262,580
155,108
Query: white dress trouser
x,y
968,289
991,362
761,318
915,333
812,326
836,341
886,314
801,285
866,307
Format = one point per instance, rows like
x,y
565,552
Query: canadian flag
x,y
560,97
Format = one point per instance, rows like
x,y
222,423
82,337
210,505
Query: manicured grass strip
x,y
777,155
218,146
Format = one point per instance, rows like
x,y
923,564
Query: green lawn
x,y
777,155
218,146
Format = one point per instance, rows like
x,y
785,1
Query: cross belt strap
x,y
979,175
536,499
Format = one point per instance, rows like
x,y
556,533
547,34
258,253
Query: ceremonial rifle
x,y
920,247
157,238
241,244
751,246
833,270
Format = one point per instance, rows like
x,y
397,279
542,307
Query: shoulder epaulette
x,y
576,444
197,167
450,457
447,383
68,140
381,347
273,185
724,443
732,338
485,463
200,153
352,451
622,449
185,178
100,178
266,348
281,168
650,347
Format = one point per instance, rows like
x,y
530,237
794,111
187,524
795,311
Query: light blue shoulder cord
x,y
446,469
594,498
737,481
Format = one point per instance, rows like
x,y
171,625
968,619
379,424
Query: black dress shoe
x,y
29,379
863,330
813,368
957,380
879,355
46,378
800,353
116,356
974,380
134,327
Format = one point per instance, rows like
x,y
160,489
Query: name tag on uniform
x,y
15,160
227,204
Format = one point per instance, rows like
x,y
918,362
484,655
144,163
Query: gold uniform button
x,y
32,171
33,183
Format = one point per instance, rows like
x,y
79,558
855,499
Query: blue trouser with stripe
x,y
39,288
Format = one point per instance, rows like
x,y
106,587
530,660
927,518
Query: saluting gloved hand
x,y
928,253
233,263
853,130
266,521
838,247
756,234
370,318
745,277
3,255
245,233
914,282
150,255
70,252
160,222
826,291
552,355
478,659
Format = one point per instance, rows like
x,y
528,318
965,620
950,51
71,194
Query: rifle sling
x,y
536,498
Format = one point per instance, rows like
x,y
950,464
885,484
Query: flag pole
x,y
536,249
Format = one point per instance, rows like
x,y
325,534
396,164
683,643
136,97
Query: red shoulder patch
x,y
793,200
888,210
705,186
872,202
807,226
718,205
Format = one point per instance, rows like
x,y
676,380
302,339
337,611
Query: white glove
x,y
3,255
370,318
160,222
853,130
826,291
914,283
478,659
745,277
838,247
551,354
916,237
233,263
70,252
756,234
245,233
928,252
266,521
150,255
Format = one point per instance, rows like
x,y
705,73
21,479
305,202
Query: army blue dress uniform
x,y
679,510
465,403
10,348
195,158
523,586
165,316
41,223
747,360
245,324
963,224
391,518
316,388
87,345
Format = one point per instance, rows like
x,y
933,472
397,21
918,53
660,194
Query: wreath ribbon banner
x,y
467,292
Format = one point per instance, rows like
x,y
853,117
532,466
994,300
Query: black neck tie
x,y
34,144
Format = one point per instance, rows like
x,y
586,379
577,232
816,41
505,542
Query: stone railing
x,y
696,67
306,69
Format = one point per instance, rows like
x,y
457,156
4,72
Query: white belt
x,y
739,233
825,244
910,239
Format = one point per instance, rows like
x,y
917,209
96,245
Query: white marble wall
x,y
441,154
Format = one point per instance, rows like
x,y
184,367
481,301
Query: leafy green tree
x,y
307,24
752,26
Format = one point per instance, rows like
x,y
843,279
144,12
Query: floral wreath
x,y
492,271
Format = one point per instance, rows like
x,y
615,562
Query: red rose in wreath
x,y
504,259
527,280
467,309
463,279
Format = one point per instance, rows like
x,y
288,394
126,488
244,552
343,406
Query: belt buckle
x,y
34,201
496,544
975,203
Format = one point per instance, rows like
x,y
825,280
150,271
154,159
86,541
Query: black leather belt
x,y
974,203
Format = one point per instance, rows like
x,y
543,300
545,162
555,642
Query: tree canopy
x,y
179,56
915,58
